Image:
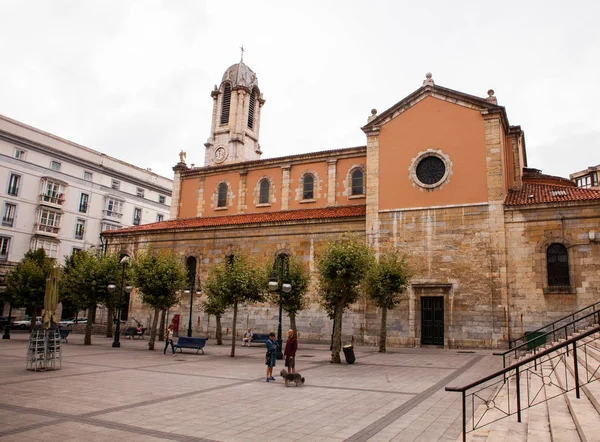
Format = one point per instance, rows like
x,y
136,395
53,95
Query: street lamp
x,y
6,334
190,291
286,287
124,288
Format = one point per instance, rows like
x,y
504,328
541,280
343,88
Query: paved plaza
x,y
108,394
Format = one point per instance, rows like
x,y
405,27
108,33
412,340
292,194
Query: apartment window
x,y
159,217
55,165
264,192
137,216
79,228
53,192
4,248
50,247
140,192
308,187
114,208
76,250
557,260
357,182
49,221
222,195
87,175
161,199
19,154
8,215
116,184
109,226
84,199
13,184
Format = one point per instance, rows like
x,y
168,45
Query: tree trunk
x,y
293,323
153,330
383,331
218,331
161,331
233,338
337,334
88,327
109,323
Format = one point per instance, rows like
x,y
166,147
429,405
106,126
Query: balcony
x,y
112,215
8,221
52,199
45,229
13,190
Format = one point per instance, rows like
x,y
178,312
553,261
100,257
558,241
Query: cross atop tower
x,y
242,48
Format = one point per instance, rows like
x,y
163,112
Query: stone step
x,y
589,373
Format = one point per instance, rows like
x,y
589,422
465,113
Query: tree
x,y
235,281
159,277
385,281
341,268
26,283
213,305
85,280
294,301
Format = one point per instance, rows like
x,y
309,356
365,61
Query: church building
x,y
497,247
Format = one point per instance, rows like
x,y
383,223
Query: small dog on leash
x,y
292,377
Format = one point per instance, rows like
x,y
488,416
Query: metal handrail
x,y
570,315
516,368
543,336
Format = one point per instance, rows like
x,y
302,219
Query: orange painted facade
x,y
433,124
188,199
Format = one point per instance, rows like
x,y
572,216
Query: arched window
x,y
557,259
251,110
357,182
222,195
190,264
225,104
263,198
308,187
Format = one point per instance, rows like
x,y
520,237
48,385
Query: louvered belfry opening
x,y
226,104
222,195
251,110
558,265
264,192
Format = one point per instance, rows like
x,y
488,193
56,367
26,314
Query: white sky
x,y
132,79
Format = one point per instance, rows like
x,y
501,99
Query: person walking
x,y
271,356
290,351
169,340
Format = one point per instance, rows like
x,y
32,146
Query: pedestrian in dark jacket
x,y
290,351
271,356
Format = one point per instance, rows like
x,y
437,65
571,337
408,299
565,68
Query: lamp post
x,y
127,289
286,287
190,291
6,334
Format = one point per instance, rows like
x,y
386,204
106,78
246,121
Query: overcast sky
x,y
132,79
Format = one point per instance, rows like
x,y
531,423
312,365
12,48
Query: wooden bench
x,y
259,338
132,333
63,334
193,343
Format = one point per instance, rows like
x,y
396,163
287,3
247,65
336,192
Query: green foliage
x,y
236,280
298,277
159,277
26,283
387,279
213,305
342,267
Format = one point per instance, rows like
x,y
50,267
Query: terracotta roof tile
x,y
532,193
247,218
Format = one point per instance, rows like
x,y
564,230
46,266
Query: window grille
x,y
226,104
264,192
357,182
251,111
308,187
222,195
558,265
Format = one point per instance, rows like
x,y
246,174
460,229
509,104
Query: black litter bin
x,y
349,354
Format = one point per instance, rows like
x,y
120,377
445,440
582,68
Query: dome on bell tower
x,y
240,75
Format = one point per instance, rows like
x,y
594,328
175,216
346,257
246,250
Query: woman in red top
x,y
290,351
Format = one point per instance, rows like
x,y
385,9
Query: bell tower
x,y
235,127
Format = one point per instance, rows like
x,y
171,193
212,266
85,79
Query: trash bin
x,y
349,353
534,340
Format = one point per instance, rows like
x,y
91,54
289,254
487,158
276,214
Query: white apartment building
x,y
59,195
